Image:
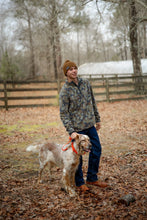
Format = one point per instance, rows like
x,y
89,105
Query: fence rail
x,y
22,94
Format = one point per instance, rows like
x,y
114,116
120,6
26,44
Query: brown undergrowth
x,y
123,165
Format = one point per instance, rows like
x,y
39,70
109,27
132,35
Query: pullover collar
x,y
72,83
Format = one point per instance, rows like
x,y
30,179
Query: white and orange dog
x,y
66,156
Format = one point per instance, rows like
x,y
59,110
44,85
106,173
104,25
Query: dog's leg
x,y
41,168
67,182
40,174
72,179
50,165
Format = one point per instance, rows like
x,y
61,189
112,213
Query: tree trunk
x,y
87,46
78,46
145,40
121,50
56,48
125,48
32,58
134,47
104,50
48,57
54,57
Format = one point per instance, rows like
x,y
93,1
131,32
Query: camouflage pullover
x,y
78,110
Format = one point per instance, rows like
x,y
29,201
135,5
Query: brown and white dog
x,y
66,156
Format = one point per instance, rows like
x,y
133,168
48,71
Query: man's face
x,y
72,73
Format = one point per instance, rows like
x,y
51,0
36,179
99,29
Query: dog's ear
x,y
77,137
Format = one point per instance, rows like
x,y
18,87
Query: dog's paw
x,y
72,193
40,181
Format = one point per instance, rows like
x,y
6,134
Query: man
x,y
79,114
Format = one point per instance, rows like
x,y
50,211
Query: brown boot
x,y
83,188
98,183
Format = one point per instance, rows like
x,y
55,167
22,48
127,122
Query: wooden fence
x,y
22,94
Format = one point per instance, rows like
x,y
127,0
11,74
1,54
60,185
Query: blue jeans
x,y
94,158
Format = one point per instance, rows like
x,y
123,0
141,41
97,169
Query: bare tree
x,y
55,39
49,12
77,20
24,12
119,26
134,39
133,30
50,29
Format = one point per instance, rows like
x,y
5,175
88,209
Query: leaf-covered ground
x,y
123,165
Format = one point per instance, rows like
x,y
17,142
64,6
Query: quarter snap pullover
x,y
78,110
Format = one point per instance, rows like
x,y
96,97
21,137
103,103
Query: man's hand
x,y
98,126
74,135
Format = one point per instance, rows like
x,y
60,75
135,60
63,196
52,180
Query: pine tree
x,y
8,69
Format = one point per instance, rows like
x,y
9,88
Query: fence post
x,y
103,79
5,95
116,76
58,88
107,90
58,85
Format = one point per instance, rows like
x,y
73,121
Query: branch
x,y
140,20
123,1
114,1
85,2
141,3
98,10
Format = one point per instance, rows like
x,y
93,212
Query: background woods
x,y
37,36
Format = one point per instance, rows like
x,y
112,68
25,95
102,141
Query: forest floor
x,y
123,137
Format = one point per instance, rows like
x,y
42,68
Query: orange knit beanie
x,y
67,65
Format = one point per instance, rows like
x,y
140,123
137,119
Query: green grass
x,y
22,127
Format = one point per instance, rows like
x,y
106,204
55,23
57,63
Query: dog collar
x,y
72,145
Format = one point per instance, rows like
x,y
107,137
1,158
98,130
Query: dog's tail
x,y
33,148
